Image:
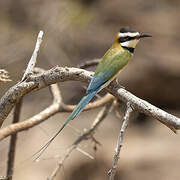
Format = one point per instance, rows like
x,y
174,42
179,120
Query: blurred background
x,y
76,31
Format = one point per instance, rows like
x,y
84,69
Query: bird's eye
x,y
124,39
127,38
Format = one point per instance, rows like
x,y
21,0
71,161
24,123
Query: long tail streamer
x,y
84,101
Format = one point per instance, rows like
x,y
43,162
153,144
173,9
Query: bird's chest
x,y
119,60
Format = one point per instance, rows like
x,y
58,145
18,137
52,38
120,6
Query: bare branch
x,y
87,134
60,74
61,162
120,142
33,59
12,147
143,106
56,107
38,118
10,98
21,88
100,102
13,140
31,81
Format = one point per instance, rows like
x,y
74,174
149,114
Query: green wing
x,y
112,62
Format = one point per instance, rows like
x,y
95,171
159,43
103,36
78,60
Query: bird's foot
x,y
122,86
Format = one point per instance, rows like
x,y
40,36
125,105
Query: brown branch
x,y
87,134
120,141
13,140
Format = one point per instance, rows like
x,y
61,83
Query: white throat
x,y
126,44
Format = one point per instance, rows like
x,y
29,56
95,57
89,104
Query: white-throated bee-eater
x,y
118,56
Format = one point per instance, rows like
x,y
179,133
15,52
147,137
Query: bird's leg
x,y
119,84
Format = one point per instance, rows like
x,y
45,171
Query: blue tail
x,y
84,101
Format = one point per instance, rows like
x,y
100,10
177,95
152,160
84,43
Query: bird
x,y
114,60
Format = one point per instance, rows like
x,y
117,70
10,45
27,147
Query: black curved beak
x,y
144,35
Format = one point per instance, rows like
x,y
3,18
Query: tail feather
x,y
84,101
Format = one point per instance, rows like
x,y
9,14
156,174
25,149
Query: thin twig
x,y
98,103
32,62
126,117
13,140
145,107
87,134
56,107
38,118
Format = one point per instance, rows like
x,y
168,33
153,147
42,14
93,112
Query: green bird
x,y
115,59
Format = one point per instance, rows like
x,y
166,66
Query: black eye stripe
x,y
122,39
126,38
130,49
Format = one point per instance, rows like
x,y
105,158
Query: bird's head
x,y
128,38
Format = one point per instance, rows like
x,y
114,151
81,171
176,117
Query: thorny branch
x,y
87,134
126,117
